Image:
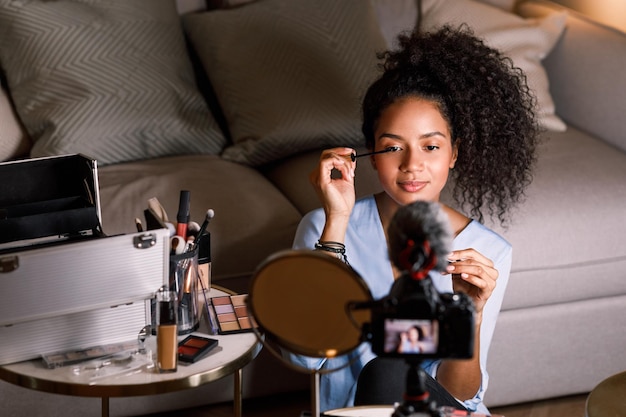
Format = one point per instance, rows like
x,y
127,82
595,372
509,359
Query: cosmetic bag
x,y
64,283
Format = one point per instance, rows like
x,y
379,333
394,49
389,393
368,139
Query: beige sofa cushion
x,y
568,234
587,102
289,75
503,4
291,176
396,16
526,41
252,218
107,78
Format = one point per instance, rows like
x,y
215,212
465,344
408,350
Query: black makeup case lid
x,y
49,197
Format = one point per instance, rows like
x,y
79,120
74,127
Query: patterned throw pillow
x,y
107,78
288,74
13,141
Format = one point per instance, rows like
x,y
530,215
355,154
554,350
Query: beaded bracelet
x,y
337,248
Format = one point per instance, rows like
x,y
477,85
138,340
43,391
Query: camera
x,y
414,320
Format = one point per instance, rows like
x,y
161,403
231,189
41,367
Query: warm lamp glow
x,y
608,12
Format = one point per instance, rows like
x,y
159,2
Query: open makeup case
x,y
64,283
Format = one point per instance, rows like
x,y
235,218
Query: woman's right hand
x,y
336,193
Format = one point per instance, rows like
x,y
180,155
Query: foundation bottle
x,y
167,332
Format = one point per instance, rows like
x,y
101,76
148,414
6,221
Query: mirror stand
x,y
315,394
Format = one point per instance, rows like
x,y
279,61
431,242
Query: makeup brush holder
x,y
184,281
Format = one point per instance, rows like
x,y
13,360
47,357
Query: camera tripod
x,y
417,402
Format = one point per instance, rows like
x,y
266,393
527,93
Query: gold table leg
x,y
105,406
238,393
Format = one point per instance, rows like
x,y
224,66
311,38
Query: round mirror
x,y
300,298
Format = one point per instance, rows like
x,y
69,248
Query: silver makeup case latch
x,y
9,263
145,240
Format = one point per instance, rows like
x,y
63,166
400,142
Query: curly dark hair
x,y
485,100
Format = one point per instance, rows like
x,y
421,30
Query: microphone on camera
x,y
419,239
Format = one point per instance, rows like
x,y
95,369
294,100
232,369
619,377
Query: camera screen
x,y
410,336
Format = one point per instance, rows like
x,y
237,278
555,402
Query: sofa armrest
x,y
587,72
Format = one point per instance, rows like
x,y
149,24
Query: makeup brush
x,y
210,213
203,245
177,245
193,228
353,156
159,210
186,303
182,216
138,224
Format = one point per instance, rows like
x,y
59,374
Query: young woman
x,y
411,341
446,105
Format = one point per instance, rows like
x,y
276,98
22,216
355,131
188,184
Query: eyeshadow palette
x,y
231,313
193,348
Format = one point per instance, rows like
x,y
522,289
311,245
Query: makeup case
x,y
65,284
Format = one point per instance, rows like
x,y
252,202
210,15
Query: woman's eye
x,y
393,149
432,147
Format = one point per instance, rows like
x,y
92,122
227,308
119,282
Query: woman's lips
x,y
412,186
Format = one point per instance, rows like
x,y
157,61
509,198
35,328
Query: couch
x,y
247,130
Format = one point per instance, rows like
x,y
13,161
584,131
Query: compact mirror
x,y
299,298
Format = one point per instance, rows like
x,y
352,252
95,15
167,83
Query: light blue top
x,y
366,251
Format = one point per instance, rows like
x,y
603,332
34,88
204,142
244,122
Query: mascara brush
x,y
354,156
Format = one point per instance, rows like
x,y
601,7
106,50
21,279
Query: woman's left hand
x,y
473,274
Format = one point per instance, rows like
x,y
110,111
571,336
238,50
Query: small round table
x,y
234,351
607,398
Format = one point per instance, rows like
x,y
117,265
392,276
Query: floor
x,y
292,405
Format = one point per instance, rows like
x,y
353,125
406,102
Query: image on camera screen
x,y
411,336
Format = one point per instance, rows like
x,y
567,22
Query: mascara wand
x,y
353,156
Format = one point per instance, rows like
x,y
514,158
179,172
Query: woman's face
x,y
423,154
